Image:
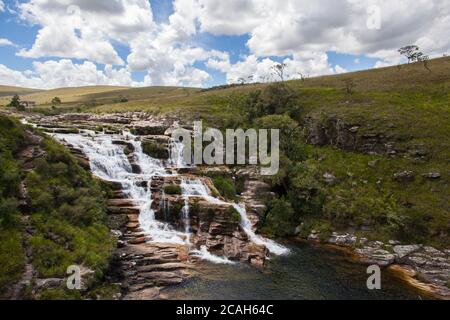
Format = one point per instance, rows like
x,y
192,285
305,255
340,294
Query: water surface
x,y
309,272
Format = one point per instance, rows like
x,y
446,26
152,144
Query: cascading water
x,y
246,225
195,188
109,162
176,154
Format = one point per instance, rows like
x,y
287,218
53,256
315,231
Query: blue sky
x,y
47,43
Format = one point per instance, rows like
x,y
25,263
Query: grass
x,y
67,209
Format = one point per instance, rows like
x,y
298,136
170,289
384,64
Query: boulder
x,y
403,251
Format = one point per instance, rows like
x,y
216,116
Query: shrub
x,y
172,189
155,150
280,219
226,187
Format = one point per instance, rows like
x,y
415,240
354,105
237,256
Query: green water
x,y
309,272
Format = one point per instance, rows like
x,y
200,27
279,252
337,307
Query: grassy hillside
x,y
10,91
57,220
67,95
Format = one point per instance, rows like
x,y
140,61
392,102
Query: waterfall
x,y
185,217
246,225
195,188
176,154
109,162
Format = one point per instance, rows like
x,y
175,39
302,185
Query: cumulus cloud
x,y
64,73
298,32
279,28
254,69
6,42
2,6
85,29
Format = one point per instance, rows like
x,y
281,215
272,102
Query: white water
x,y
195,188
246,225
204,254
176,154
109,162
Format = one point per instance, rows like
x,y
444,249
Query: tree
x,y
15,103
279,70
410,52
56,101
413,54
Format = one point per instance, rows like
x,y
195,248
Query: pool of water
x,y
309,272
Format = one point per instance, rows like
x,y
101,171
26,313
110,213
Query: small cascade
x,y
165,205
204,254
176,154
246,225
195,188
185,218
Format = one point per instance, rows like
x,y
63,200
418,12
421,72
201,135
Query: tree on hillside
x,y
410,52
279,70
56,101
15,103
413,54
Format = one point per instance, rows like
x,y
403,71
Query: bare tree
x,y
279,70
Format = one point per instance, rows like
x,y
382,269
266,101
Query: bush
x,y
172,189
226,187
280,219
155,150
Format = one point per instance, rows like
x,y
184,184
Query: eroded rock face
x,y
214,225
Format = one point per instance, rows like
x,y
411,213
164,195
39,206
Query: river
x,y
309,272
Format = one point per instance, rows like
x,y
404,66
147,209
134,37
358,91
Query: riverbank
x,y
423,267
311,271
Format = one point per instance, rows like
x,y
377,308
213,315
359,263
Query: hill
x,y
10,91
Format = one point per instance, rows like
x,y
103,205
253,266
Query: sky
x,y
202,43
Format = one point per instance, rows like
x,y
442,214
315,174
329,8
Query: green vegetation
x,y
155,150
15,103
235,216
225,186
67,212
56,101
172,189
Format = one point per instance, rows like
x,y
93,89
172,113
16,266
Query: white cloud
x,y
2,6
6,42
300,31
85,29
65,73
279,28
254,69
